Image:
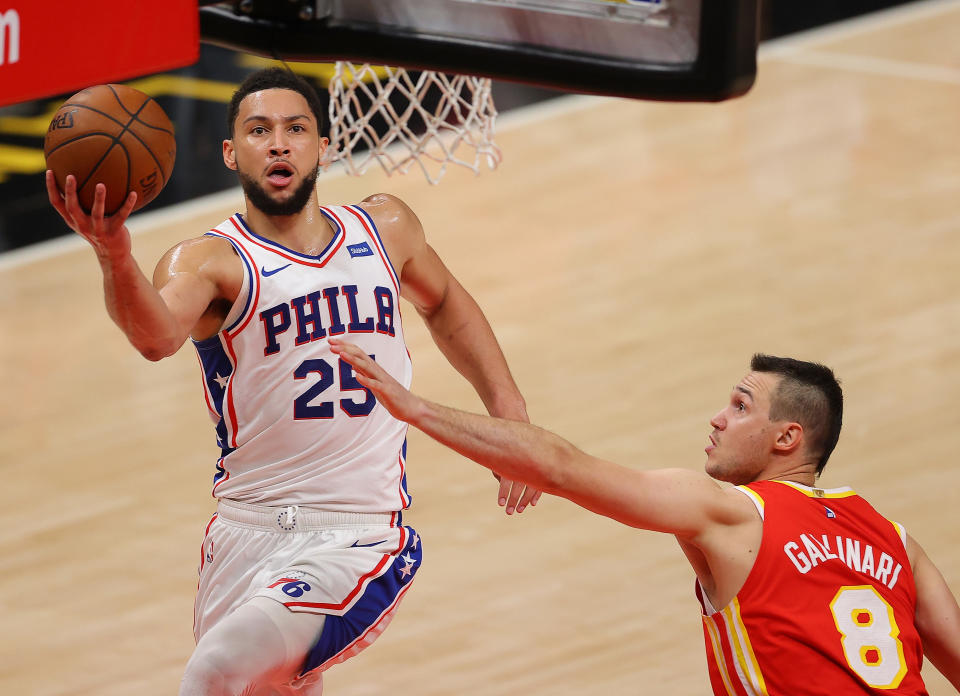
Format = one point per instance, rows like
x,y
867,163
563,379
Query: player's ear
x,y
324,143
789,438
229,156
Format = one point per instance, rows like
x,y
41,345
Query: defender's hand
x,y
389,392
404,405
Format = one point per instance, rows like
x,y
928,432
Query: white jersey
x,y
294,425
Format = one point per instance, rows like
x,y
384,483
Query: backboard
x,y
683,50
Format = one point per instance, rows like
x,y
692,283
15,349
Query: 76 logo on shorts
x,y
292,587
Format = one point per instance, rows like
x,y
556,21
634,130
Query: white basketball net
x,y
430,120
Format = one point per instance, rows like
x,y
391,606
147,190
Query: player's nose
x,y
279,146
718,421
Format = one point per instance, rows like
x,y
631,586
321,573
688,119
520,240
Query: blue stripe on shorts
x,y
339,632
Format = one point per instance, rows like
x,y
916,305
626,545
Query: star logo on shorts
x,y
407,570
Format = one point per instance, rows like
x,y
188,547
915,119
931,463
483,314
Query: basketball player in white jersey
x,y
307,557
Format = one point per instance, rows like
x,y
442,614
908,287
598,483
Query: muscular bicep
x,y
195,277
188,297
424,279
426,282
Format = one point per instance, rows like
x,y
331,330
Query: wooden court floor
x,y
631,257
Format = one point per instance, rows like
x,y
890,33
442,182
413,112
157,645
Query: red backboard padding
x,y
52,47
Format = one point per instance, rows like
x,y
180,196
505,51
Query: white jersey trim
x,y
317,261
374,235
249,288
754,498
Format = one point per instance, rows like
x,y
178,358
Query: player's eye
x,y
297,128
258,130
741,406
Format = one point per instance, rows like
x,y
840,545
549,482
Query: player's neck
x,y
307,232
794,469
809,480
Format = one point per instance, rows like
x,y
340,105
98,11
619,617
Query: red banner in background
x,y
50,47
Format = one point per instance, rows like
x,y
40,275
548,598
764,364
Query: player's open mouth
x,y
712,446
279,174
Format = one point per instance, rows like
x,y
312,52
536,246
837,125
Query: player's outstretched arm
x,y
675,501
937,615
456,322
156,324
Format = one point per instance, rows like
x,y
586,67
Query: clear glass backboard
x,y
645,49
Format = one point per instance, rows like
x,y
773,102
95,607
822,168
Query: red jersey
x,y
828,607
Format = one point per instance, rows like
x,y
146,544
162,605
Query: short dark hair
x,y
809,394
274,78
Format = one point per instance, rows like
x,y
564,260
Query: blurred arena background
x,y
195,98
630,255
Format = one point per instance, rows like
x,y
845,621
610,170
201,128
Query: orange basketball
x,y
115,135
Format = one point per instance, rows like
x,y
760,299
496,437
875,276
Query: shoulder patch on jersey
x,y
361,249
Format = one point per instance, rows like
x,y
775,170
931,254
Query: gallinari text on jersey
x,y
811,550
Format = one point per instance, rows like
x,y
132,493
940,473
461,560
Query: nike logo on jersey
x,y
376,543
266,273
359,250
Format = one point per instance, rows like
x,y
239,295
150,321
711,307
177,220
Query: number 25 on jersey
x,y
304,409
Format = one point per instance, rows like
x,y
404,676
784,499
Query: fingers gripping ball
x,y
115,135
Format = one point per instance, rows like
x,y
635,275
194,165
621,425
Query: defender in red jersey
x,y
803,590
830,594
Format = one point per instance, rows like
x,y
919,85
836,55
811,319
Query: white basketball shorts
x,y
352,567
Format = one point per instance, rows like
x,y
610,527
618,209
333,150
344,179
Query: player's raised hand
x,y
108,235
389,392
